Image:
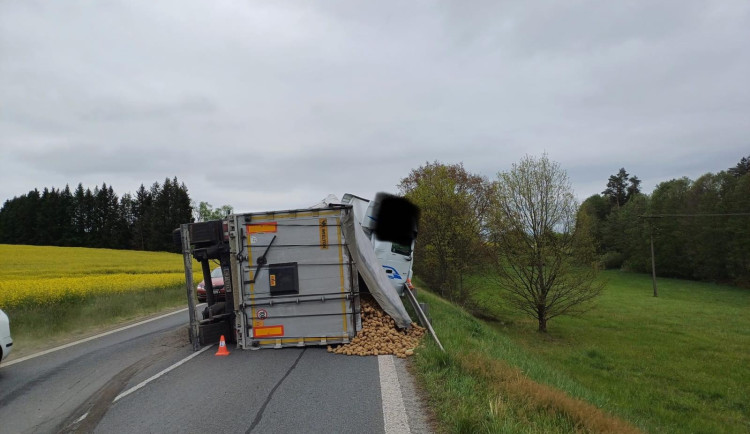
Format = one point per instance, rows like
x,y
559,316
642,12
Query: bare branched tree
x,y
543,257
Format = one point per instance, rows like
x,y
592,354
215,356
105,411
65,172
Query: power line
x,y
651,236
734,214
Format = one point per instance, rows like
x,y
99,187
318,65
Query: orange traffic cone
x,y
222,347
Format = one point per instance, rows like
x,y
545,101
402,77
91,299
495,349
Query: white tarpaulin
x,y
372,271
330,199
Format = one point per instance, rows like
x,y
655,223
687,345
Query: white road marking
x,y
62,347
394,411
154,377
84,416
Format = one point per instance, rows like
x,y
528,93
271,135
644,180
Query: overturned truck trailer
x,y
292,278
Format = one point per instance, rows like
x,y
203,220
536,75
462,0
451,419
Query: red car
x,y
217,280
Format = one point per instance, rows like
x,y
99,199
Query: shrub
x,y
612,260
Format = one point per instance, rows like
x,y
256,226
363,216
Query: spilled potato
x,y
379,335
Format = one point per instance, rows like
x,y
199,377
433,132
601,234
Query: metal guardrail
x,y
422,317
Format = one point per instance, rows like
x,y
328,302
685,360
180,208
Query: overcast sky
x,y
275,104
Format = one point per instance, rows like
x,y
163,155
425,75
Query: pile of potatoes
x,y
379,335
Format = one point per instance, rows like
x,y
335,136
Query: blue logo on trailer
x,y
393,274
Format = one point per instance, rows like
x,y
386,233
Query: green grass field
x,y
677,363
485,382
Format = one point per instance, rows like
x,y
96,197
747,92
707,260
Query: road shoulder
x,y
417,412
23,349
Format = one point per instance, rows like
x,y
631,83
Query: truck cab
x,y
395,258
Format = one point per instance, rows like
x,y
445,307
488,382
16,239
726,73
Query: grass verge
x,y
485,382
677,363
39,327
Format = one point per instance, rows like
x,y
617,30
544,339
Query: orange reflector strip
x,y
268,331
260,228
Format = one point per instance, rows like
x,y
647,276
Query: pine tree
x,y
617,188
621,187
99,218
742,168
142,215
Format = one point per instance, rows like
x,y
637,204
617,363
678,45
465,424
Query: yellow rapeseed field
x,y
35,275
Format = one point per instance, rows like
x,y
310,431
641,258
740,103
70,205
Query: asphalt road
x,y
78,389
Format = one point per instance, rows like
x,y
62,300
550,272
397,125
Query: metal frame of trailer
x,y
295,282
292,278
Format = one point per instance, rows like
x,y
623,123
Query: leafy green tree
x,y
596,209
703,234
616,230
706,238
205,212
543,254
453,204
634,242
670,241
738,252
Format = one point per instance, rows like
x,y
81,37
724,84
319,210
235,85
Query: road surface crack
x,y
259,416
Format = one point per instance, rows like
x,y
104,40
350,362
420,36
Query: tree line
x,y
700,227
98,218
524,232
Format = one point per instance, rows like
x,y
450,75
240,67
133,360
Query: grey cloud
x,y
75,159
311,98
113,110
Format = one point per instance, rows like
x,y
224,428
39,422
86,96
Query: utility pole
x,y
651,217
653,263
